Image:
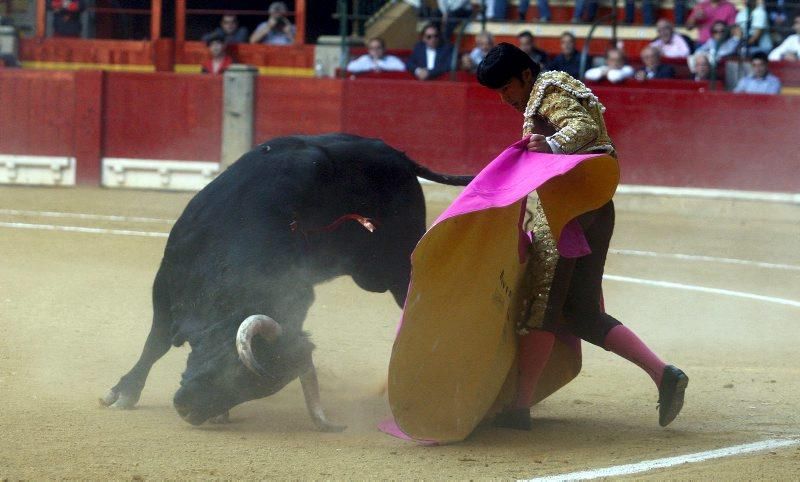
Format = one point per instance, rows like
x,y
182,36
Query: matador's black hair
x,y
502,63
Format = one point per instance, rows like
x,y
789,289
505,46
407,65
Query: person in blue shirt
x,y
760,81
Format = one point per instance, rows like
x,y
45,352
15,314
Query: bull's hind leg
x,y
125,394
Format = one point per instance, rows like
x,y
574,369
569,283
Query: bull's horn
x,y
260,325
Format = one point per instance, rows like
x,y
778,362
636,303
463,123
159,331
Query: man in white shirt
x,y
614,70
790,48
669,43
376,59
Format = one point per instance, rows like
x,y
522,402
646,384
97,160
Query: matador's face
x,y
517,91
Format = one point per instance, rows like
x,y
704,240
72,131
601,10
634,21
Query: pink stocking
x,y
534,351
625,343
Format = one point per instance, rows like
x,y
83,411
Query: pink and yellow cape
x,y
452,360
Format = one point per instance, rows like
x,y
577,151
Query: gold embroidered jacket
x,y
561,105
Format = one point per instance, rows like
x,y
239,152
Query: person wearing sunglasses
x,y
720,45
431,56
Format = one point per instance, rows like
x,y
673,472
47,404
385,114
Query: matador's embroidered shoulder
x,y
563,81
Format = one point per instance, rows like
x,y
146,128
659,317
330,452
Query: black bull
x,y
240,265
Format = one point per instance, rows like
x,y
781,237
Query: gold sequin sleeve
x,y
577,128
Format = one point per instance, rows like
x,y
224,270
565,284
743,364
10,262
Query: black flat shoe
x,y
515,418
670,394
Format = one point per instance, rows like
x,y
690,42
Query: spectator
x,y
526,44
584,10
219,61
789,49
453,12
569,60
376,59
431,56
670,43
483,43
8,61
720,45
648,11
277,30
701,67
614,70
760,81
542,5
757,36
706,14
653,68
496,10
67,17
230,31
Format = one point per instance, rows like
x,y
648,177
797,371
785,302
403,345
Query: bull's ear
x,y
255,325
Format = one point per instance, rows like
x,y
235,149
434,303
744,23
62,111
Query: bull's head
x,y
217,378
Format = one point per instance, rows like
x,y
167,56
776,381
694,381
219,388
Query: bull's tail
x,y
448,179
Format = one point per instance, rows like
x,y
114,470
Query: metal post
x,y
342,12
237,112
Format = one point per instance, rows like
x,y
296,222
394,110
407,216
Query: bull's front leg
x,y
310,385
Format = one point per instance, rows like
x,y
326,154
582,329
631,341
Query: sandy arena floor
x,y
75,310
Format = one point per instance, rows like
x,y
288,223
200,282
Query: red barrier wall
x,y
290,105
664,137
36,112
162,116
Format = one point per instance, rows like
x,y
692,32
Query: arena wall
x,y
104,124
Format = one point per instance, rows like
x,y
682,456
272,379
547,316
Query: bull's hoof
x,y
115,399
331,427
220,419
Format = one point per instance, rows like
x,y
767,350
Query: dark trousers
x,y
576,292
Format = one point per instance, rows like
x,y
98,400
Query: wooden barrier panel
x,y
162,116
287,106
37,112
663,137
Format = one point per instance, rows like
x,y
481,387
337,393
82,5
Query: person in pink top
x,y
670,43
705,13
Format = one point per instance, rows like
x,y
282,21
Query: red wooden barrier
x,y
162,116
664,137
37,112
287,105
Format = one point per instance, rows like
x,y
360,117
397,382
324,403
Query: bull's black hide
x,y
255,241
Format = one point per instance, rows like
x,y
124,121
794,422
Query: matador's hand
x,y
538,143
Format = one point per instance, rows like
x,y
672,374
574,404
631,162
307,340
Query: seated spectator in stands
x,y
758,39
789,49
614,70
720,45
8,61
453,12
653,68
376,59
497,10
526,44
585,11
705,16
431,56
700,67
648,11
219,61
483,43
67,17
670,43
230,31
277,30
569,60
760,81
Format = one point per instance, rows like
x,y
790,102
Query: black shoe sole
x,y
677,401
